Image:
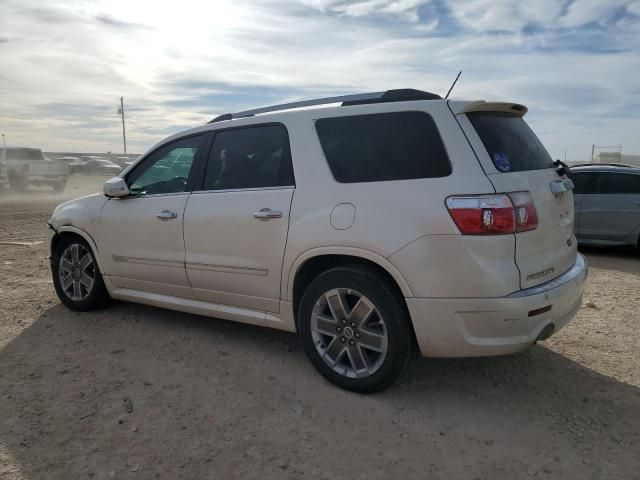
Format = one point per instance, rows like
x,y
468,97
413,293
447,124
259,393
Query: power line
x,y
32,90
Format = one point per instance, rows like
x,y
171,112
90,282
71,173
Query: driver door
x,y
141,234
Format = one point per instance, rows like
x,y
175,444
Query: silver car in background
x,y
607,204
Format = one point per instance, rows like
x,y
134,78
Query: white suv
x,y
373,225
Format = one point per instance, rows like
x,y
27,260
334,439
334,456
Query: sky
x,y
64,64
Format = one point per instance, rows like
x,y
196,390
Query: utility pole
x,y
593,147
124,137
4,142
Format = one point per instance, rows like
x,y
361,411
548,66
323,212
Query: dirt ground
x,y
138,392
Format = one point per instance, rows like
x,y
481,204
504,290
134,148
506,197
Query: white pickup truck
x,y
20,167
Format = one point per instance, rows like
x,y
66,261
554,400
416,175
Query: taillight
x,y
493,214
526,215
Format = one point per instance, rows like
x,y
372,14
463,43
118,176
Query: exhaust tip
x,y
546,332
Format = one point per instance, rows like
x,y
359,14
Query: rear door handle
x,y
267,213
166,215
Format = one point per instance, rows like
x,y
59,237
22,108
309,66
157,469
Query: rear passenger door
x,y
235,226
612,212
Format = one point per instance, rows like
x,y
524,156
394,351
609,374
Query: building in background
x,y
617,157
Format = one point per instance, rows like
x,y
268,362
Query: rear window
x,y
383,147
510,142
24,154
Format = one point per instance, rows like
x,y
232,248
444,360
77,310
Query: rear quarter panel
x,y
388,215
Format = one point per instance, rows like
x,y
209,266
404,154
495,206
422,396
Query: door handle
x,y
267,213
166,215
636,203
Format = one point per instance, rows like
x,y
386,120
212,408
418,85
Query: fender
x,y
85,236
376,258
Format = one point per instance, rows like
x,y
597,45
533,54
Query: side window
x,y
584,182
166,170
251,157
618,183
383,147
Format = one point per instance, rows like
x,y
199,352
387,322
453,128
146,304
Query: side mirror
x,y
116,187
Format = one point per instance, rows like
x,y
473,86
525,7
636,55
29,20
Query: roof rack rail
x,y
398,95
609,164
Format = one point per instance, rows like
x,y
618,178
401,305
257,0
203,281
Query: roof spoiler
x,y
482,106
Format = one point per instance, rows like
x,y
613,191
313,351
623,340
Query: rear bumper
x,y
470,327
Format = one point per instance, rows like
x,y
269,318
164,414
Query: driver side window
x,y
166,170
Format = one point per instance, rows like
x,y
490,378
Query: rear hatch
x,y
515,160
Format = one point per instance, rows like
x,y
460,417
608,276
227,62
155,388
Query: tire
x,y
59,186
72,286
17,184
353,363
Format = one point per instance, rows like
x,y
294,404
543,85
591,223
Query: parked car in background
x,y
121,161
392,222
607,204
67,160
95,166
28,166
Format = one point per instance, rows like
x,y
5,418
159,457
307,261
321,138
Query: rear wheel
x,y
17,184
76,276
59,186
355,329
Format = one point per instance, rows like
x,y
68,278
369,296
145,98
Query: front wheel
x,y
355,329
76,276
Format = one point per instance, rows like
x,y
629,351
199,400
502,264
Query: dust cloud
x,y
77,186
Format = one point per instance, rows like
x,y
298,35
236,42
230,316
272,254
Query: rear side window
x,y
250,157
383,147
618,183
583,182
510,142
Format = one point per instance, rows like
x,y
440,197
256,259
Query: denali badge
x,y
542,273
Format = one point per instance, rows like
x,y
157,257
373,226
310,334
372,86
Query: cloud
x,y
576,64
120,24
403,9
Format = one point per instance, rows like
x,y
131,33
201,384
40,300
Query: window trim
x,y
248,189
192,172
444,146
198,186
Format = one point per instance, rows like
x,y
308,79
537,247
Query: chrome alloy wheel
x,y
349,333
76,272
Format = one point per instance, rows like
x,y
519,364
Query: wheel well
x,y
316,265
59,236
